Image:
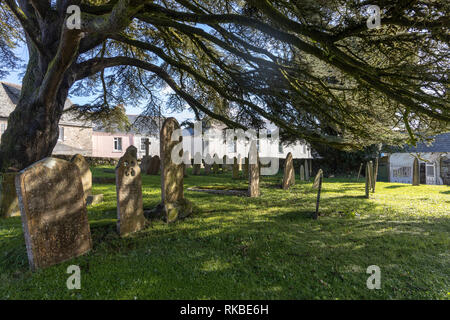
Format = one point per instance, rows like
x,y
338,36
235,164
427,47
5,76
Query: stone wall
x,y
76,140
93,161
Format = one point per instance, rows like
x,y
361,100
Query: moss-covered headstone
x,y
174,205
53,211
130,211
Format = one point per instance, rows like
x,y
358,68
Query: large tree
x,y
304,65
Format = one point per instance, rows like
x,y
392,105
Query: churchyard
x,y
240,247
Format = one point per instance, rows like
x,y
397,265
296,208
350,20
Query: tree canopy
x,y
311,67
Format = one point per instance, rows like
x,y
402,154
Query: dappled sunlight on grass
x,y
236,247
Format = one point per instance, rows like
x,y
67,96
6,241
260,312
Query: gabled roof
x,y
441,144
9,97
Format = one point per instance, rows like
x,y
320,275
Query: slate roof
x,y
441,144
9,96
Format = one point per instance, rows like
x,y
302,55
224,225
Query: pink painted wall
x,y
103,144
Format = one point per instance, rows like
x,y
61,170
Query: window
x,y
430,170
232,147
61,134
117,144
403,172
143,142
280,148
2,128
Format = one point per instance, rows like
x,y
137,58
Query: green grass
x,y
265,248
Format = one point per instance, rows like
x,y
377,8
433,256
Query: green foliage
x,y
254,248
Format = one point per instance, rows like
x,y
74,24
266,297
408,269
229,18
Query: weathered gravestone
x,y
318,185
235,169
174,206
253,177
85,173
196,169
9,203
416,175
155,165
302,173
216,164
130,211
207,169
289,174
53,211
146,163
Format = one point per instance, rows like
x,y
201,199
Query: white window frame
x,y
61,136
143,139
117,139
430,166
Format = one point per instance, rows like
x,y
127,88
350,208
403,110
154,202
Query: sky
x,y
15,77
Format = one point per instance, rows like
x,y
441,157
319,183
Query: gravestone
x,y
155,165
416,175
174,205
253,177
53,211
302,173
146,163
318,185
130,211
235,169
289,175
85,173
196,169
207,169
216,166
9,203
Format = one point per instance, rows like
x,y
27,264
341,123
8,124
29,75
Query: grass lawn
x,y
266,248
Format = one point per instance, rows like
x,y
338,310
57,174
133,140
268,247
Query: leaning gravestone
x,y
416,176
9,203
53,210
130,211
235,169
174,205
253,177
289,175
318,185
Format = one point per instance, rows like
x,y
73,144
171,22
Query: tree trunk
x,y
32,130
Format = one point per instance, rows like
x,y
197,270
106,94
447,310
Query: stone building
x,y
75,136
